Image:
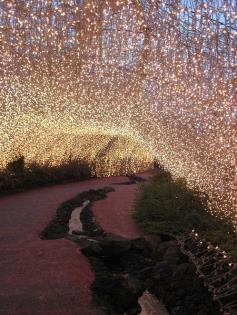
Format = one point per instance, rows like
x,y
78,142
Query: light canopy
x,y
160,72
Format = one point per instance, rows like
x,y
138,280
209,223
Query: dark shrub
x,y
18,176
16,166
168,207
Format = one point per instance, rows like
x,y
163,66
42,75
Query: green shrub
x,y
19,176
167,206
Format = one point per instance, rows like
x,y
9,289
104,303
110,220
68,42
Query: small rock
x,y
126,292
180,270
90,247
141,246
79,232
172,253
136,309
203,310
162,248
113,245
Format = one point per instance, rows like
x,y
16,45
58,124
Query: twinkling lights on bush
x,y
161,72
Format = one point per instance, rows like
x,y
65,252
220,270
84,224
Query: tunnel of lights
x,y
158,77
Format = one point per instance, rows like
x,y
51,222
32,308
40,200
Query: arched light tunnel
x,y
156,77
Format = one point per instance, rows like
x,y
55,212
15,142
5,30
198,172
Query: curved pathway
x,y
52,277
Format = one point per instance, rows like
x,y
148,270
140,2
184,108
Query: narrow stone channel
x,y
147,304
120,264
131,276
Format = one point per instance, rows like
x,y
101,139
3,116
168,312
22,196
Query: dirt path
x,y
41,277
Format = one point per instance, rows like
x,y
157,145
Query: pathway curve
x,y
52,277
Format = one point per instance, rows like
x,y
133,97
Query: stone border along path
x,y
52,277
102,247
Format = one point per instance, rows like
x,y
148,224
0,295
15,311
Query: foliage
x,y
168,207
17,166
18,176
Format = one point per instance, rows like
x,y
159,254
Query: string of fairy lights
x,y
161,72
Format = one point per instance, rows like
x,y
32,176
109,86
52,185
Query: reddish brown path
x,y
39,277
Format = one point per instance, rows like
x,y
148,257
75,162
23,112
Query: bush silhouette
x,y
17,166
